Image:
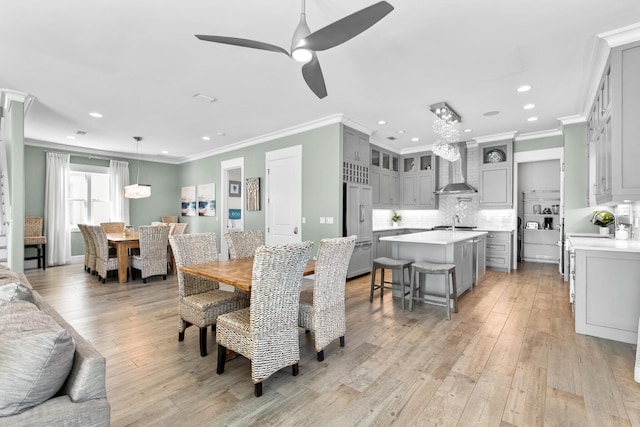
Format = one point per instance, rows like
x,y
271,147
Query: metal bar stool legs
x,y
391,264
425,268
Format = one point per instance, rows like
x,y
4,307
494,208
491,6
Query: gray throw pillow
x,y
16,291
36,356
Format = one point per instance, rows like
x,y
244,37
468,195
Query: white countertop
x,y
510,230
391,228
436,237
604,244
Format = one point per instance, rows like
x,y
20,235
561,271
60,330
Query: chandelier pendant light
x,y
137,190
444,120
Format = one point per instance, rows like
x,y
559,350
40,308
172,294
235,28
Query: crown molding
x,y
539,134
622,35
496,137
8,95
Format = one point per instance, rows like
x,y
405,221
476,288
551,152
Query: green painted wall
x,y
321,181
576,157
538,143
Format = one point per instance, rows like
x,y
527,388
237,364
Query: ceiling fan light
x,y
302,55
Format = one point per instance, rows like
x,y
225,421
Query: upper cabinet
x,y
355,164
496,174
419,181
614,130
384,175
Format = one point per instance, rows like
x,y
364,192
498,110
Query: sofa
x,y
50,374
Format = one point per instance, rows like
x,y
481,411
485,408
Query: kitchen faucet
x,y
456,218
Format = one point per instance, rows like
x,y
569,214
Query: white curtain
x,y
118,179
56,209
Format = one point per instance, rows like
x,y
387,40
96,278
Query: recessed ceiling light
x,y
164,152
96,115
206,138
382,122
71,137
491,113
415,139
221,134
524,88
532,119
528,106
468,130
400,132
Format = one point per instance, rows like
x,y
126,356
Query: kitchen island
x,y
605,287
441,246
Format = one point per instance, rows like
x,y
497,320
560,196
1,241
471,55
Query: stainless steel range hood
x,y
458,174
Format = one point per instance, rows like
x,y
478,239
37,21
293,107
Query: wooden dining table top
x,y
123,237
235,272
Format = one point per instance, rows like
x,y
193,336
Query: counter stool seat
x,y
392,264
426,268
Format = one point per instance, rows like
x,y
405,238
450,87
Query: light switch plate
x,y
329,220
322,220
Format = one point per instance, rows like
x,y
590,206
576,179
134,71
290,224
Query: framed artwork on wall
x,y
207,199
234,189
188,199
253,194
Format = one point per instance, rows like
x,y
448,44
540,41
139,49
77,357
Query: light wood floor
x,y
509,357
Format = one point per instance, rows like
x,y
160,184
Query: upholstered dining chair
x,y
169,218
266,332
112,227
104,261
33,238
178,228
89,249
201,301
243,244
152,260
322,308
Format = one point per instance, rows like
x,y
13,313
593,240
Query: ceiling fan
x,y
305,44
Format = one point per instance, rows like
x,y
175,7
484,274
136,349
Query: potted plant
x,y
602,219
396,218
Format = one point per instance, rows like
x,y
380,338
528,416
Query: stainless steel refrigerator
x,y
357,219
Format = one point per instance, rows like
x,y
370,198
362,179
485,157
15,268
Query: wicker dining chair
x,y
266,332
178,228
152,260
89,249
201,301
33,238
104,261
243,244
322,308
112,227
169,218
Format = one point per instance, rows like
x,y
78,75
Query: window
x,y
89,201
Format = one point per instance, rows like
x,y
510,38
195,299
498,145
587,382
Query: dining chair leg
x,y
320,356
203,342
342,341
222,357
181,336
295,369
257,389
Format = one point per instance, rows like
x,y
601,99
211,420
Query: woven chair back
x,y
112,227
154,240
33,226
100,241
243,244
330,274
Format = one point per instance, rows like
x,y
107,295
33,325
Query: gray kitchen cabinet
x,y
496,175
607,295
385,178
498,249
419,181
355,156
614,130
382,248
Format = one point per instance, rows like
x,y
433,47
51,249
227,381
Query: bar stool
x,y
446,270
391,264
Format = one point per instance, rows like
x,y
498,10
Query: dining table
x,y
234,272
123,242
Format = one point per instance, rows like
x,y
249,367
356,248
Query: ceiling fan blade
x,y
347,28
243,43
312,74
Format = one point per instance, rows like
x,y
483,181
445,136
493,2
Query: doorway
x,y
232,200
284,196
539,209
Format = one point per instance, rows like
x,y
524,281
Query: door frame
x,y
225,167
527,157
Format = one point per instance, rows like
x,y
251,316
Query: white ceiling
x,y
139,64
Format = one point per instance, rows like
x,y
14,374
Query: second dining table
x,y
235,272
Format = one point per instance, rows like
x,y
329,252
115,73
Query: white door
x,y
284,196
